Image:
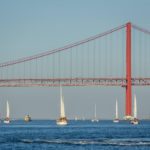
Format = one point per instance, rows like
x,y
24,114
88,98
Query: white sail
x,y
7,119
95,112
62,106
135,121
7,110
62,120
116,109
95,115
135,107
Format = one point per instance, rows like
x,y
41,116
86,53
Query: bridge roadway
x,y
73,82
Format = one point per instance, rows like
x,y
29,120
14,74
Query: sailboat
x,y
62,120
116,120
135,120
95,118
76,118
7,119
27,118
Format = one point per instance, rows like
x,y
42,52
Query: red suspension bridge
x,y
118,57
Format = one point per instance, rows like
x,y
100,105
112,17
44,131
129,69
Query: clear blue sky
x,y
29,27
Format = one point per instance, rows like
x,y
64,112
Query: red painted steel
x,y
128,71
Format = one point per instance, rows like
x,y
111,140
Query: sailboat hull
x,y
7,121
116,120
135,121
62,121
95,120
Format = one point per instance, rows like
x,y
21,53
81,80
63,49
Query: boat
x,y
135,121
76,118
62,120
27,118
95,116
7,119
116,120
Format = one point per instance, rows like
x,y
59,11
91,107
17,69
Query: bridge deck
x,y
73,82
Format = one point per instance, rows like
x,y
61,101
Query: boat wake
x,y
113,142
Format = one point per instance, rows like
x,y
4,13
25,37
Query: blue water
x,y
78,135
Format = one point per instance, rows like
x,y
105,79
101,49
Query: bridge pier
x,y
128,110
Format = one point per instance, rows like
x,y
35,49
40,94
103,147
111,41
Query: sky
x,y
29,27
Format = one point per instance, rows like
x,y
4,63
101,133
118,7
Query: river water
x,y
77,135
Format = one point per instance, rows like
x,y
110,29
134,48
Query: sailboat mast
x,y
135,107
7,110
95,112
116,109
62,107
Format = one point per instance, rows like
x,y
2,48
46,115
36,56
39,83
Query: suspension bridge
x,y
117,57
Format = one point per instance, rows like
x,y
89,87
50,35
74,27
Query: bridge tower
x,y
128,109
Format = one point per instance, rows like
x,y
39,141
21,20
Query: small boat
x,y
27,118
95,116
76,118
7,119
135,121
62,120
116,120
